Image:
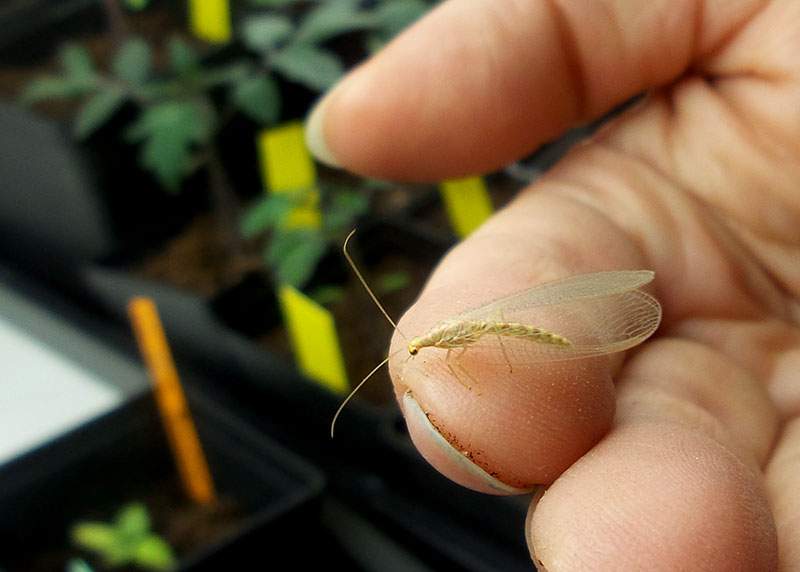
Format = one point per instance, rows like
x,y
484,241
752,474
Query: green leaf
x,y
269,212
344,208
78,78
294,254
137,5
327,294
369,184
78,565
93,536
50,87
224,74
154,553
77,63
182,58
394,16
133,521
132,63
129,540
331,19
259,97
316,68
159,90
392,282
265,33
390,18
169,132
97,110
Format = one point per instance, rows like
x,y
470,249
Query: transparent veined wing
x,y
599,313
565,290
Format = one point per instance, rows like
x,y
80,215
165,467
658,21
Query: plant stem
x,y
118,27
225,207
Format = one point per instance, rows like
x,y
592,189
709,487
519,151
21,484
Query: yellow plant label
x,y
287,167
467,203
210,20
312,333
286,163
171,401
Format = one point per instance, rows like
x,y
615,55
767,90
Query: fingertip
x,y
315,133
448,460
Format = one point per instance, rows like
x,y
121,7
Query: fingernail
x,y
315,133
447,459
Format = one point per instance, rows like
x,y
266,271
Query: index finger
x,y
479,83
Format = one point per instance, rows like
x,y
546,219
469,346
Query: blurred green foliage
x,y
181,104
293,252
126,540
178,109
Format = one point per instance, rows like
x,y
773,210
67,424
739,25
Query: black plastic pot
x,y
59,210
106,463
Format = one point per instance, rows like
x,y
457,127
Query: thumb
x,y
509,431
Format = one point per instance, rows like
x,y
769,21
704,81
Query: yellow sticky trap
x,y
178,424
287,167
312,333
210,20
467,203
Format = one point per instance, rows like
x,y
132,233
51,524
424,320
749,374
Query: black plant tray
x,y
371,465
104,462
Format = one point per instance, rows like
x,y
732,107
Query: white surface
x,y
43,393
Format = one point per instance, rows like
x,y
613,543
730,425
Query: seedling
x,y
293,252
78,565
126,540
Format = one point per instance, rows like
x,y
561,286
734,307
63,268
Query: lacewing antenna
x,y
385,314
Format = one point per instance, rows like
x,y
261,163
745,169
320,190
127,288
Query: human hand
x,y
689,459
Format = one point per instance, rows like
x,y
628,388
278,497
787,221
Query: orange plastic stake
x,y
181,433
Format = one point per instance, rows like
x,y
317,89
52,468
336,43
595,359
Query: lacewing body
x,y
576,317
